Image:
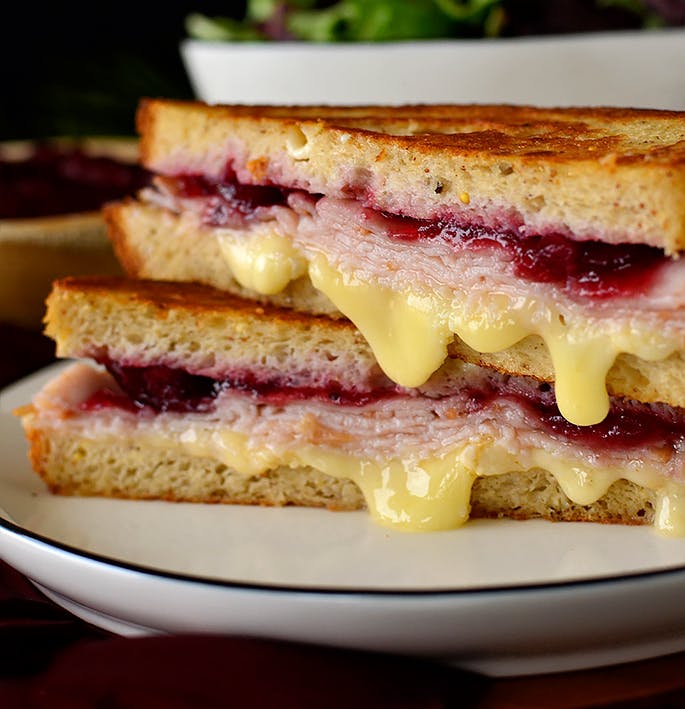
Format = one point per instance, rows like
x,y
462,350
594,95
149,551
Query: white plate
x,y
500,597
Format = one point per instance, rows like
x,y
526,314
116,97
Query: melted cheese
x,y
406,337
581,356
262,260
409,333
432,493
670,511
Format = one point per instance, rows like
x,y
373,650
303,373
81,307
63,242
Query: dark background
x,y
71,68
77,68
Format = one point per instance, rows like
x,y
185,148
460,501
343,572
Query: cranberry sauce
x,y
163,388
62,181
629,424
231,201
584,268
160,388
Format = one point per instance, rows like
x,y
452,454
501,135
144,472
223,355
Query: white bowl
x,y
636,68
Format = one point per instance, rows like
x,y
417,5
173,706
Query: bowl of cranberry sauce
x,y
53,177
51,193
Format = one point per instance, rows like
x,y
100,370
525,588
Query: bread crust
x,y
616,175
544,133
204,330
157,299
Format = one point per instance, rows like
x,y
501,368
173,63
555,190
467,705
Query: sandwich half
x,y
540,242
196,395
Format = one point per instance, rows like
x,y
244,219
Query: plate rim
x,y
16,530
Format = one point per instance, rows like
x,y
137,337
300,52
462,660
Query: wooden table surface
x,y
173,671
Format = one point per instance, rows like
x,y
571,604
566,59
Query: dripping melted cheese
x,y
409,332
433,493
262,261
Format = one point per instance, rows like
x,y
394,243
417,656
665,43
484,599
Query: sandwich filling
x,y
414,453
411,284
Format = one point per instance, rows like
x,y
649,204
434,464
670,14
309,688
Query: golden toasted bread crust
x,y
616,175
203,330
130,259
159,298
627,135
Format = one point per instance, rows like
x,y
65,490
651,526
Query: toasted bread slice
x,y
203,330
373,186
616,175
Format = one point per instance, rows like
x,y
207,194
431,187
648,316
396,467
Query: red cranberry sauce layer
x,y
583,268
160,388
163,388
231,202
628,425
63,181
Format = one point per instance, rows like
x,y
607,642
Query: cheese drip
x,y
262,260
670,511
409,332
582,356
433,493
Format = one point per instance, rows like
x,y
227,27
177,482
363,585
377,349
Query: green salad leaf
x,y
221,29
384,20
369,21
348,20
